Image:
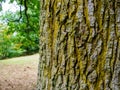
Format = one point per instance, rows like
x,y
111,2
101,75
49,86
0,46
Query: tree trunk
x,y
79,45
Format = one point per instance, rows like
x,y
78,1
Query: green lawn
x,y
21,60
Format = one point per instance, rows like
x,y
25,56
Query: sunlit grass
x,y
20,60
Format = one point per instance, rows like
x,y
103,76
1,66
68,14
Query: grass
x,y
20,60
19,73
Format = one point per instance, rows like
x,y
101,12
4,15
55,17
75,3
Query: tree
x,y
79,45
23,25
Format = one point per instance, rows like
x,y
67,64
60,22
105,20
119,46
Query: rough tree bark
x,y
79,45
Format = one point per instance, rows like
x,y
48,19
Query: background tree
x,y
22,27
79,45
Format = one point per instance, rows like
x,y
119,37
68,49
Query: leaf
x,y
0,7
11,1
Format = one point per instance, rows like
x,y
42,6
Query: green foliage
x,y
8,48
20,33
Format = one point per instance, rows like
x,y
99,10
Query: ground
x,y
19,73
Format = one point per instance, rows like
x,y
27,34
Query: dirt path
x,y
19,73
